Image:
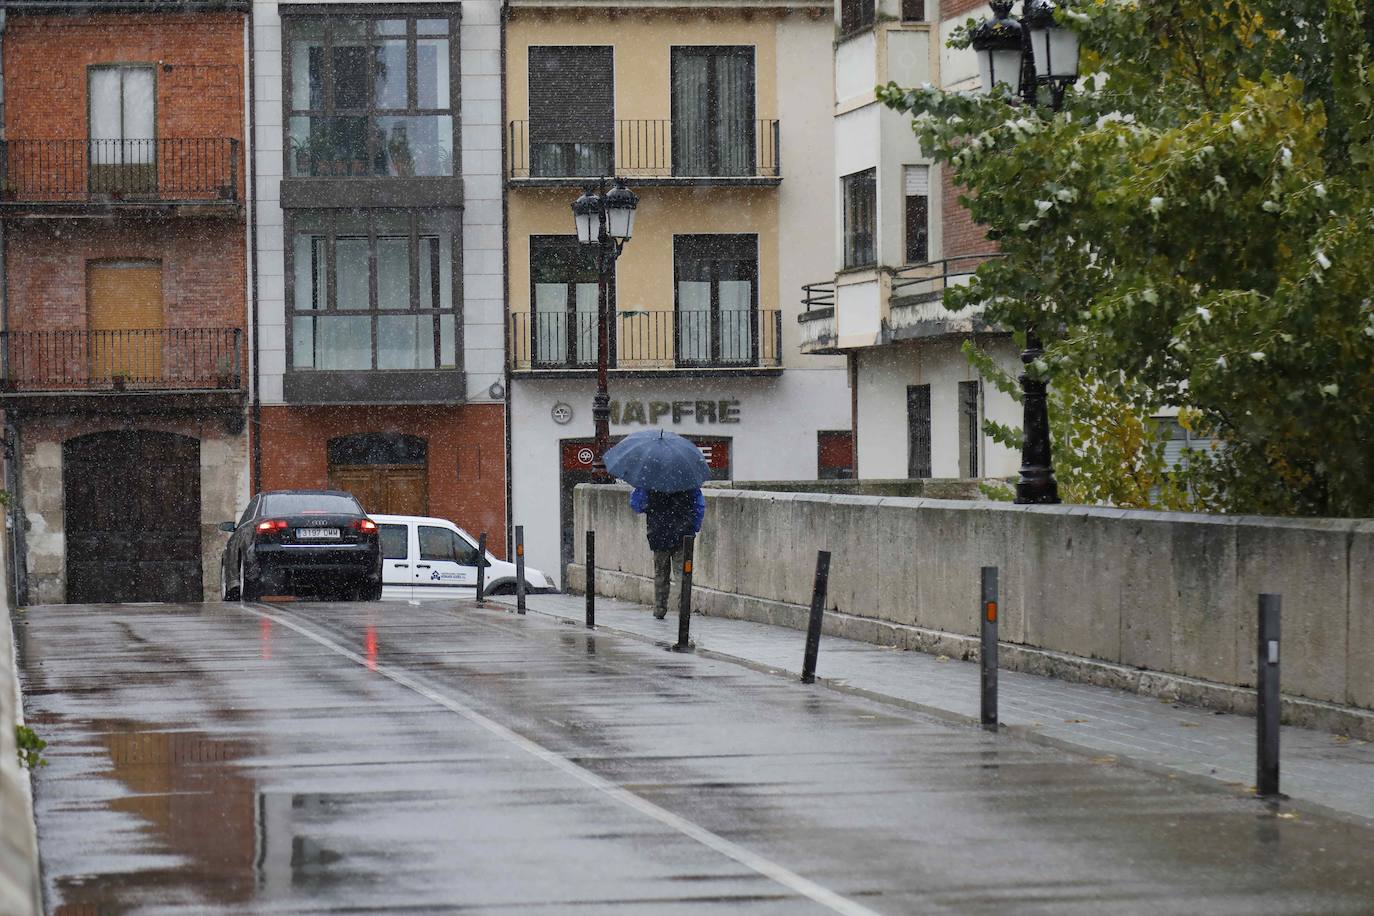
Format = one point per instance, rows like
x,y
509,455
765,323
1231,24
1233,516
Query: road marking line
x,y
766,867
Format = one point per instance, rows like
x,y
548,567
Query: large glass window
x,y
563,295
860,218
373,290
370,95
916,179
717,299
713,111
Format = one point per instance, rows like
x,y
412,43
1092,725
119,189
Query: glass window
x,y
309,504
917,216
564,297
856,15
369,96
437,544
716,280
390,302
713,111
572,111
860,218
394,538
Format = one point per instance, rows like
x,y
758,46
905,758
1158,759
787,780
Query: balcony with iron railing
x,y
915,304
653,151
648,341
59,175
137,361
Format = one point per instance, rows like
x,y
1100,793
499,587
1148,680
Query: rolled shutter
x,y
572,95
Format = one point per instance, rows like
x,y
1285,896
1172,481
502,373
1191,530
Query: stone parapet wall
x,y
19,876
1169,593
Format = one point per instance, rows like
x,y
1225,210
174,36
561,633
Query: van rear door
x,y
397,575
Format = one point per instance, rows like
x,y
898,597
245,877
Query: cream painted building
x,y
900,237
718,116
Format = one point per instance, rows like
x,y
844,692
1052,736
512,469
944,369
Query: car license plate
x,y
317,534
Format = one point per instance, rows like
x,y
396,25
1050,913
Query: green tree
x,y
1195,229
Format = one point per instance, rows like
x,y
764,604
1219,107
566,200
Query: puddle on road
x,y
193,802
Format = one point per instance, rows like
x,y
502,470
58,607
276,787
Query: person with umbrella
x,y
667,472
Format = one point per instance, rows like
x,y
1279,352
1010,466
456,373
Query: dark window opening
x,y
572,111
377,448
835,455
394,542
913,10
917,248
713,111
860,218
918,431
970,428
563,302
856,15
717,316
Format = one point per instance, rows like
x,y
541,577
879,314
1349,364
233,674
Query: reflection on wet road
x,y
382,758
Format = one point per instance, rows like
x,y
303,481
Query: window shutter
x,y
917,181
572,95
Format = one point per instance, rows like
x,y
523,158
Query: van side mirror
x,y
226,527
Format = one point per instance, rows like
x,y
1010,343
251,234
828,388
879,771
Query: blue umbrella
x,y
656,459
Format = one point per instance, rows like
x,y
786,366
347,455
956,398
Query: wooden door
x,y
384,489
126,319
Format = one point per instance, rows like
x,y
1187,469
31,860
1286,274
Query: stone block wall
x,y
1172,593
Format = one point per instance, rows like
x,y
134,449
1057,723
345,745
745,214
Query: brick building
x,y
124,281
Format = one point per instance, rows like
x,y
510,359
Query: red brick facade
x,y
203,270
466,455
961,234
951,8
199,74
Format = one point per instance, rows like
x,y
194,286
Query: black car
x,y
302,542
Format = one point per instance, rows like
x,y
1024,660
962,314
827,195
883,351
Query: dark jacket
x,y
669,517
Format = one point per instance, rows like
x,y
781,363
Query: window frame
x,y
329,16
970,406
569,309
448,221
915,393
853,25
713,140
606,146
913,11
723,240
922,255
848,183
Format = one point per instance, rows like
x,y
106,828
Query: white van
x,y
426,559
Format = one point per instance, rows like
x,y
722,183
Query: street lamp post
x,y
1028,54
605,219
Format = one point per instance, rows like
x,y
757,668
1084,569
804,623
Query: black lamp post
x,y
605,219
1026,55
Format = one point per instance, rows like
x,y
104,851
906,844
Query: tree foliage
x,y
1195,229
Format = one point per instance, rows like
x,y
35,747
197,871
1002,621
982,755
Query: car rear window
x,y
310,504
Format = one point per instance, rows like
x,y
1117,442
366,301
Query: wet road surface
x,y
398,758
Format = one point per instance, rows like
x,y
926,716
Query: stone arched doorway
x,y
131,517
387,472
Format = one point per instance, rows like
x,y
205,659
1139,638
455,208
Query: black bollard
x,y
987,613
684,616
813,626
520,568
1267,711
481,568
590,567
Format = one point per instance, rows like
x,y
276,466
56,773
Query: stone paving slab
x,y
1333,773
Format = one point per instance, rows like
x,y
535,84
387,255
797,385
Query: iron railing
x,y
724,339
133,171
924,282
655,148
145,359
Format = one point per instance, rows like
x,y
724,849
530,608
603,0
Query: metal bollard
x,y
684,615
481,568
987,612
1267,688
520,568
591,580
813,626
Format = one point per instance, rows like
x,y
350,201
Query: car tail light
x,y
271,526
365,525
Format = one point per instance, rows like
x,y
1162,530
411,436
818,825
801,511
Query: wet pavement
x,y
429,759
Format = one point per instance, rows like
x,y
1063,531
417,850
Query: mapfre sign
x,y
581,456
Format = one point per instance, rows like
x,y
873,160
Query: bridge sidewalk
x,y
1331,773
